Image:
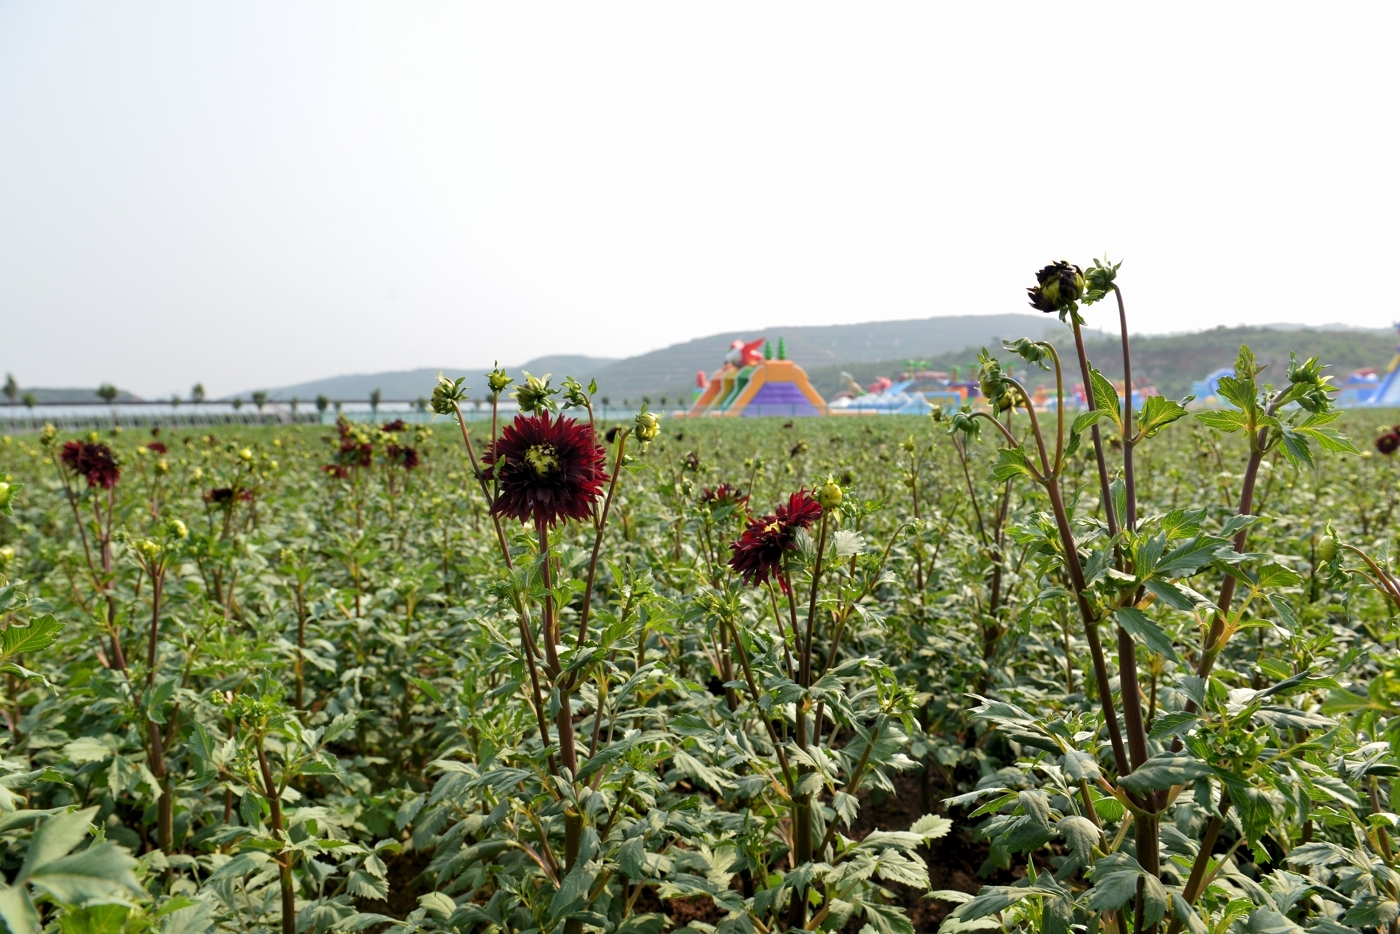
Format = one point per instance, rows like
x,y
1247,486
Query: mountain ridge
x,y
881,348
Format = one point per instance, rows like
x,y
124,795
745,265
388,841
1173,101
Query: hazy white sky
x,y
261,193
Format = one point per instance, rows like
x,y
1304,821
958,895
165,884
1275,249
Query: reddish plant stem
x,y
550,634
527,643
1051,482
284,858
598,541
165,833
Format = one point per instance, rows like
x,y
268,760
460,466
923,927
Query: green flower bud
x,y
648,426
1309,371
1058,288
1327,548
447,394
47,434
535,394
991,380
7,554
829,495
174,528
497,380
1098,280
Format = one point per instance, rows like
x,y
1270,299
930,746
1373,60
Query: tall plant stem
x,y
527,646
806,670
301,643
573,834
1091,624
1148,828
1127,652
165,811
1194,883
1211,650
284,858
550,629
1051,481
802,803
598,540
1129,481
755,696
1105,491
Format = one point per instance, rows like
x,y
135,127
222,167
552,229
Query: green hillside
x,y
51,395
885,348
413,384
670,371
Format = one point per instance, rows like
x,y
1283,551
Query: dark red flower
x,y
354,451
405,457
722,495
1388,443
157,447
396,425
93,461
758,554
549,469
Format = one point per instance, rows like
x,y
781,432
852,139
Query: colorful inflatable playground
x,y
752,383
1363,388
1369,387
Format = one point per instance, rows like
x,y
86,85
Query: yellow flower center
x,y
772,526
541,458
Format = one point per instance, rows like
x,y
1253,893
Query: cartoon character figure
x,y
743,354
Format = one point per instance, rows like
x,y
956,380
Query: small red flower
x,y
353,452
93,461
722,495
405,457
549,469
1388,443
396,425
227,496
758,554
157,447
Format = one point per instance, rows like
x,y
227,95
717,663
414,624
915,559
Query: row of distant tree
x,y
109,393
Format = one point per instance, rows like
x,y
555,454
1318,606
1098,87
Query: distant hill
x,y
55,395
1172,361
670,371
883,348
412,384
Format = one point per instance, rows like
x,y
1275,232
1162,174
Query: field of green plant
x,y
1113,671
